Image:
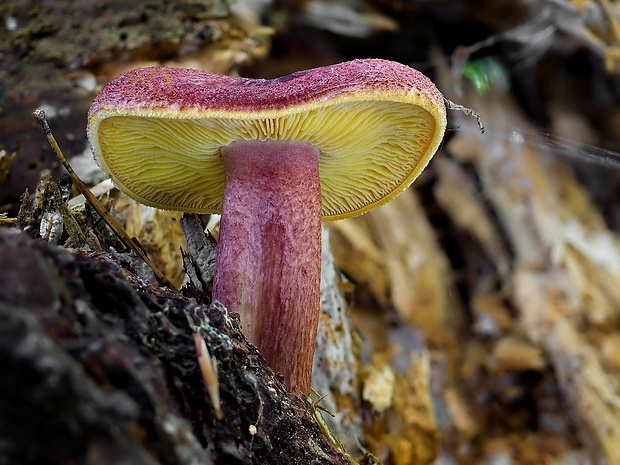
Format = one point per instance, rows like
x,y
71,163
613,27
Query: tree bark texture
x,y
100,367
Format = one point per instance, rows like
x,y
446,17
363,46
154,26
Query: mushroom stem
x,y
269,253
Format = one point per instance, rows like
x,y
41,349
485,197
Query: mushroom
x,y
274,157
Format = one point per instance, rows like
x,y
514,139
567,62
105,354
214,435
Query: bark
x,y
100,367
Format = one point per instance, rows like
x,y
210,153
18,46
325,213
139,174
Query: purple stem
x,y
268,266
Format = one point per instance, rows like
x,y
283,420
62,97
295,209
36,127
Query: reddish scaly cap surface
x,y
161,87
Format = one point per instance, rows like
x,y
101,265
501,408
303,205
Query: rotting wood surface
x,y
100,367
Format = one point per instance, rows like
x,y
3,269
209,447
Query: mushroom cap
x,y
157,132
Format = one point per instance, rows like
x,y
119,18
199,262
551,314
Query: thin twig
x,y
450,105
208,369
129,242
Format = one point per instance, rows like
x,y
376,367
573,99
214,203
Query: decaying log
x,y
99,367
